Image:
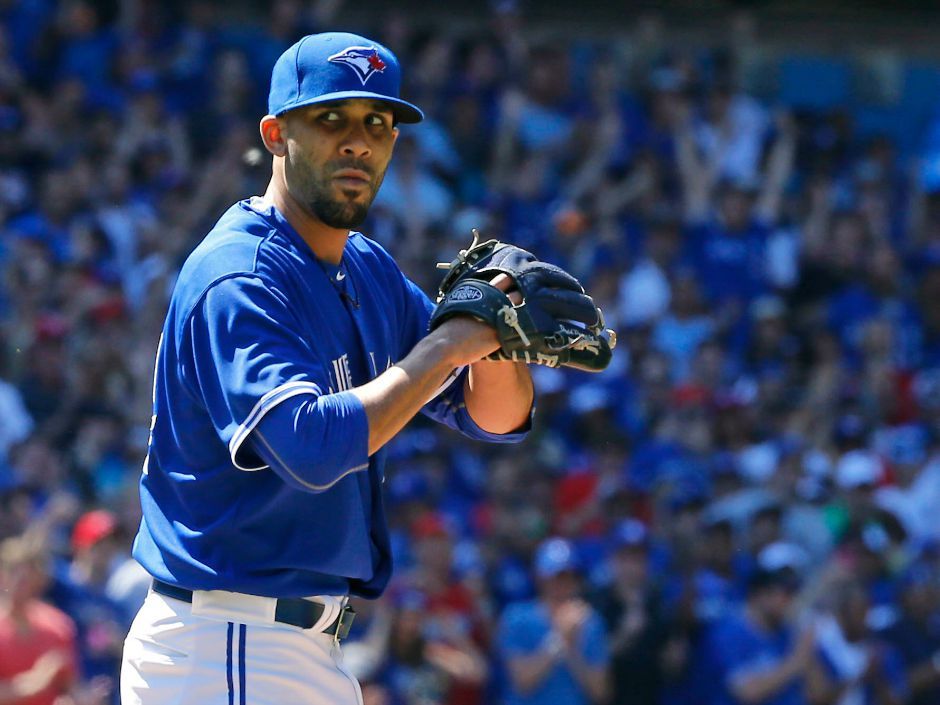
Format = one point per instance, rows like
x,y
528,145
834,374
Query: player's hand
x,y
473,339
504,282
542,315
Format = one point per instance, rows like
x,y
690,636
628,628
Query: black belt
x,y
289,610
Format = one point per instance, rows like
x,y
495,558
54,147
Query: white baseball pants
x,y
226,649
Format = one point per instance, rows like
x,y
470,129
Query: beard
x,y
339,214
317,192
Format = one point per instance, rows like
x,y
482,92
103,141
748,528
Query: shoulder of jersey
x,y
237,244
370,250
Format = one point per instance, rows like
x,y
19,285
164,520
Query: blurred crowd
x,y
744,509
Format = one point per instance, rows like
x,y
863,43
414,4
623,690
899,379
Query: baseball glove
x,y
557,324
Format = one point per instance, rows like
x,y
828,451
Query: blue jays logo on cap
x,y
365,61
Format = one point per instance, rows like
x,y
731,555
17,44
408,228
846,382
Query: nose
x,y
356,144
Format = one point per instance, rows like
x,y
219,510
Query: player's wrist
x,y
465,340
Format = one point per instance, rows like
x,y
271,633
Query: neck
x,y
327,243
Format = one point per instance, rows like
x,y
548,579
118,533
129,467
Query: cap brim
x,y
403,110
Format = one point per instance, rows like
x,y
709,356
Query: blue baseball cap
x,y
630,533
554,556
321,68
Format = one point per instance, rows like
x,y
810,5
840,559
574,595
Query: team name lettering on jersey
x,y
375,367
341,373
341,378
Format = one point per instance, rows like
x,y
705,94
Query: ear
x,y
272,134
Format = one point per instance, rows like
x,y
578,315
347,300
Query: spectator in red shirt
x,y
454,620
37,641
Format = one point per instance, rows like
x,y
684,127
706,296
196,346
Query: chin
x,y
342,216
342,209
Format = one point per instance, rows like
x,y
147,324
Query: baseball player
x,y
293,350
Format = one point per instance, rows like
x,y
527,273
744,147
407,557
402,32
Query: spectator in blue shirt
x,y
728,243
636,618
687,325
554,647
79,587
851,665
916,634
759,659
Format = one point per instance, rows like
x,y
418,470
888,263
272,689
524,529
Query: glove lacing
x,y
511,319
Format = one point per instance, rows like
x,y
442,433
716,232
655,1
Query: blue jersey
x,y
258,478
739,649
522,632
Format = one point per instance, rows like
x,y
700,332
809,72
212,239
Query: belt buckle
x,y
343,622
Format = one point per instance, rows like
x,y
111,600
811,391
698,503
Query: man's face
x,y
735,208
337,154
564,585
776,604
631,566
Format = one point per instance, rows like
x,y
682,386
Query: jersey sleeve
x,y
447,405
261,383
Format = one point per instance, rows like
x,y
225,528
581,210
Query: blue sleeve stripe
x,y
263,406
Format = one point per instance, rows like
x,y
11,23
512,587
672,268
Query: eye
x,y
376,120
330,116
